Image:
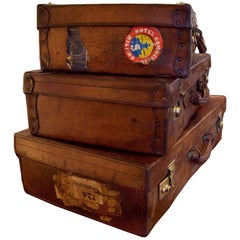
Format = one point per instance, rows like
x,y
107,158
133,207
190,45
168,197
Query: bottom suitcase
x,y
126,190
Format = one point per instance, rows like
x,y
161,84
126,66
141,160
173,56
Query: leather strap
x,y
195,99
199,41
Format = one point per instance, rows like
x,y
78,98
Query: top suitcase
x,y
132,39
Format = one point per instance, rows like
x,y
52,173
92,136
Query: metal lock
x,y
181,102
167,184
177,110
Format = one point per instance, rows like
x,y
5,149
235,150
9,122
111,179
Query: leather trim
x,y
32,113
44,49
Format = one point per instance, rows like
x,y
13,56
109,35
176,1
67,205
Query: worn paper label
x,y
77,53
87,194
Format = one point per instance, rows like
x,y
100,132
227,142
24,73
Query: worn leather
x,y
100,34
115,187
131,113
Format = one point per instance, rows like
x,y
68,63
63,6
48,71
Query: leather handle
x,y
201,156
199,41
195,99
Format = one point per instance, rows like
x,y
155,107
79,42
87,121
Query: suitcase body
x,y
136,114
125,190
135,39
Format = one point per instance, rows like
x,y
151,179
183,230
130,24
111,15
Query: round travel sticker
x,y
143,44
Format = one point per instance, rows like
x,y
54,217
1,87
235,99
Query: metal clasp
x,y
167,184
219,123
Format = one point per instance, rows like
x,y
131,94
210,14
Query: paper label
x,y
87,194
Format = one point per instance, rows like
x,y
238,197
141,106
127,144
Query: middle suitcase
x,y
137,114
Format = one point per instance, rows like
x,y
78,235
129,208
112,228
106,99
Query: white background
x,y
208,206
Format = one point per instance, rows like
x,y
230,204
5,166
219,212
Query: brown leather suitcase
x,y
125,190
136,114
135,39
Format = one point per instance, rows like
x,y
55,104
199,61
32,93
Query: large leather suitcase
x,y
135,39
125,190
136,114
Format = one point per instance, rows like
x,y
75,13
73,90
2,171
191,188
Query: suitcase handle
x,y
195,99
198,156
199,41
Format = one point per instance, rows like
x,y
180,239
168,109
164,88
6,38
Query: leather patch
x,y
89,195
143,44
77,53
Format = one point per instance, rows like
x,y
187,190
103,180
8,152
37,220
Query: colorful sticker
x,y
143,44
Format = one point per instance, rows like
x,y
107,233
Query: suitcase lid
x,y
133,170
142,91
166,15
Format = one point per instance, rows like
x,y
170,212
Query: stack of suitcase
x,y
120,115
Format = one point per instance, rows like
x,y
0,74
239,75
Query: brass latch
x,y
177,110
219,122
167,184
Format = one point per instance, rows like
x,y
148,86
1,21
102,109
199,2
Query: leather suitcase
x,y
125,190
135,114
135,39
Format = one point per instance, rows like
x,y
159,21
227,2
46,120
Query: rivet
x,y
156,139
44,42
178,23
45,56
166,189
180,71
178,12
157,151
180,33
181,45
178,59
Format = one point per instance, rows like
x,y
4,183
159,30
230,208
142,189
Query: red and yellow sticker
x,y
143,44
